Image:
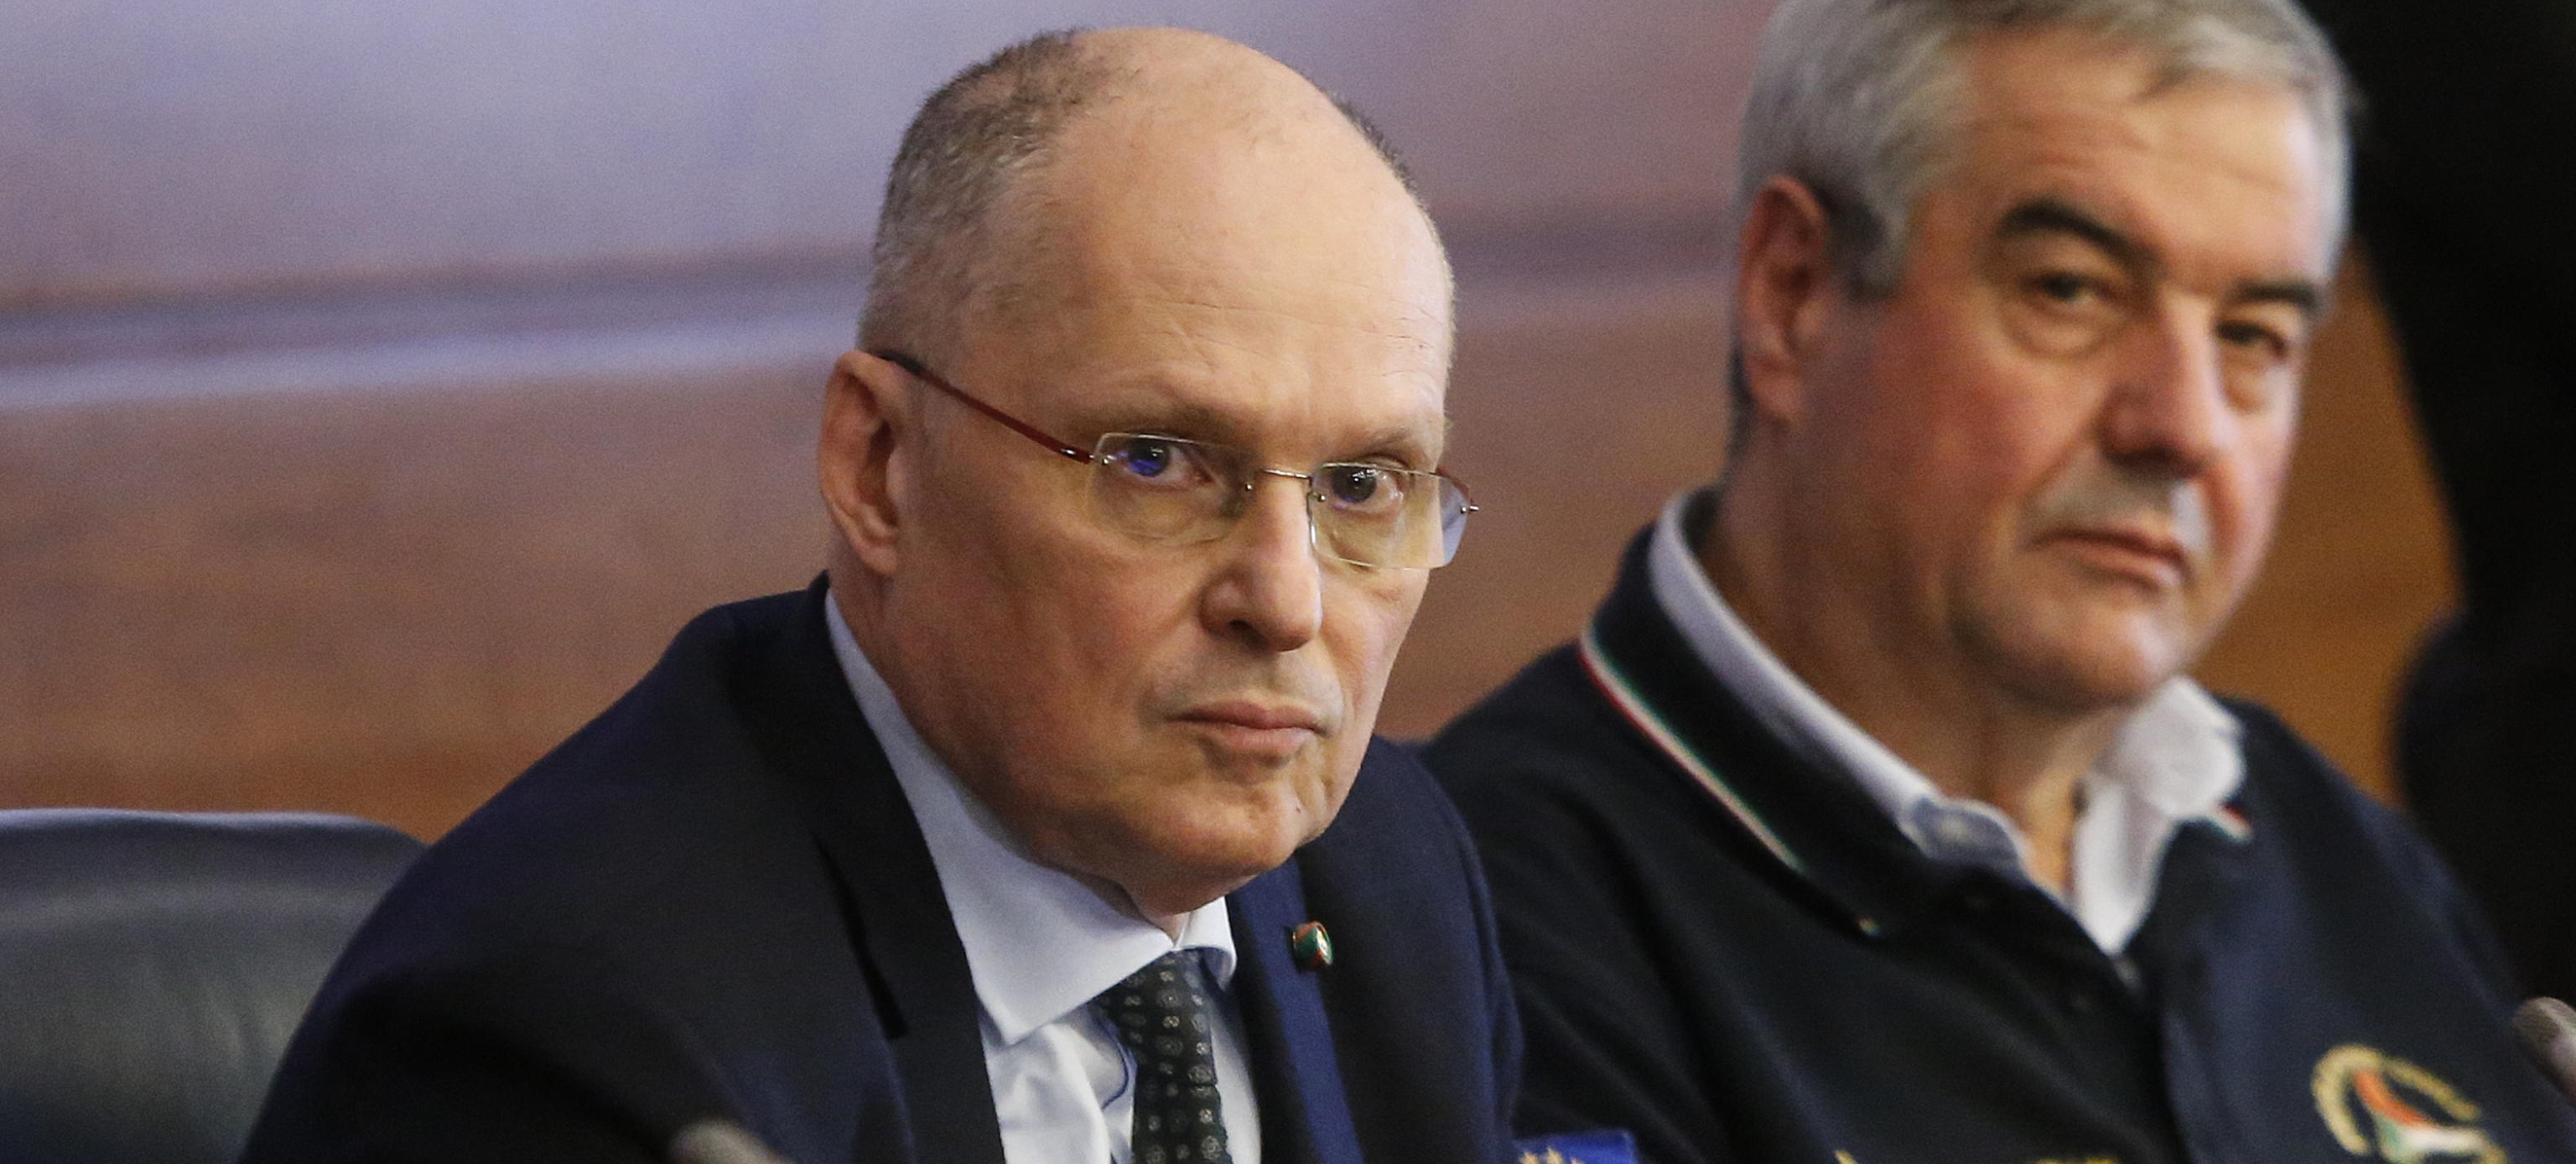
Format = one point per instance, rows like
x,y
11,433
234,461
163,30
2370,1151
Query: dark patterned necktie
x,y
1162,1014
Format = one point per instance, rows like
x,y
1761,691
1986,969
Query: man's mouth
x,y
2146,555
1255,726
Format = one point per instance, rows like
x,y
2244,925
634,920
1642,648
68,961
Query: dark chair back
x,y
153,965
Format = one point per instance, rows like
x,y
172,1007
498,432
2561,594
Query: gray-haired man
x,y
1873,819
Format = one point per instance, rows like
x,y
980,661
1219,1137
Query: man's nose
x,y
1269,591
2168,410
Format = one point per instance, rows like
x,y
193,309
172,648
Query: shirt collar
x,y
2175,760
1039,943
2179,759
1782,701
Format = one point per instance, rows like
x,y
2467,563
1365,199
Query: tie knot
x,y
1161,1011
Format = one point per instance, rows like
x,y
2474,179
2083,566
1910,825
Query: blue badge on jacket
x,y
1607,1146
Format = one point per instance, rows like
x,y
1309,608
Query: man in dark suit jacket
x,y
1048,826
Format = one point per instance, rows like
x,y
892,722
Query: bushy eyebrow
x,y
1156,413
2050,216
2042,216
2303,294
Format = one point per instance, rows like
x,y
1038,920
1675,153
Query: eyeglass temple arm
x,y
923,373
1466,499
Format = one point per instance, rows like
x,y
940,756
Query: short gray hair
x,y
974,138
961,152
1859,99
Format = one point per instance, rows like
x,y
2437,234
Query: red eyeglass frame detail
x,y
922,372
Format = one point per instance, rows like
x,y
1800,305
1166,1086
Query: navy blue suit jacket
x,y
714,901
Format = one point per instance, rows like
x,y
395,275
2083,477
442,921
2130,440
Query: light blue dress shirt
x,y
1041,946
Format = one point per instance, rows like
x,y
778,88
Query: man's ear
x,y
864,456
1785,286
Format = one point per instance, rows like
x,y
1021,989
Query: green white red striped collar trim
x,y
1623,695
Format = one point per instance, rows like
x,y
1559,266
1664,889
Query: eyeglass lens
x,y
1170,489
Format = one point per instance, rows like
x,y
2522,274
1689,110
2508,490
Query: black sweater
x,y
1750,963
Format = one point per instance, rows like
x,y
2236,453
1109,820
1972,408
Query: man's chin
x,y
1209,826
2085,682
2109,661
1186,872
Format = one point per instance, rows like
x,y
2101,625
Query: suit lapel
x,y
1304,1116
810,727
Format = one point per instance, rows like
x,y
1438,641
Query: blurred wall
x,y
381,387
194,145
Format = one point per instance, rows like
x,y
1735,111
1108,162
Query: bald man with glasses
x,y
1048,826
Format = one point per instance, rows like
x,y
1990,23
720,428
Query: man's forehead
x,y
1223,352
1255,276
2063,119
1348,248
1103,314
1322,412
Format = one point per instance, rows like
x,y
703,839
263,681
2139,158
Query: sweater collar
x,y
1829,803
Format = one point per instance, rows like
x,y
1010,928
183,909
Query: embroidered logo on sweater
x,y
2384,1108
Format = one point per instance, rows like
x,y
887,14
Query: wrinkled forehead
x,y
2067,114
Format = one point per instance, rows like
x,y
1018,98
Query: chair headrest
x,y
153,966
